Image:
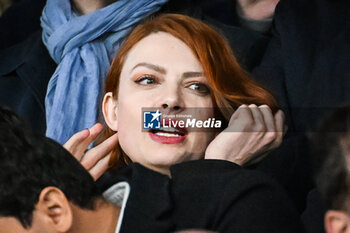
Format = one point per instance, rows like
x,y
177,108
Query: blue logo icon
x,y
151,120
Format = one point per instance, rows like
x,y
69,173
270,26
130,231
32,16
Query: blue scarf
x,y
83,47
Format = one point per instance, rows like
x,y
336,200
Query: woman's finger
x,y
270,127
268,118
82,147
259,124
272,138
75,140
94,155
240,120
279,121
100,167
280,127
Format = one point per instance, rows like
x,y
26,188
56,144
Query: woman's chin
x,y
163,159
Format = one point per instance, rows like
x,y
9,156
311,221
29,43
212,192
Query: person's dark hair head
x,y
331,158
29,163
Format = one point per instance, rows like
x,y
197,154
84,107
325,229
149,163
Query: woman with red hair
x,y
178,66
154,72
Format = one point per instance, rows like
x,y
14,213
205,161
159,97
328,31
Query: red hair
x,y
230,84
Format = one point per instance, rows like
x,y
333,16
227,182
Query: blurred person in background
x,y
331,155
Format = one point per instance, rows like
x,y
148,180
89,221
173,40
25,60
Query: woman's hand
x,y
252,132
95,160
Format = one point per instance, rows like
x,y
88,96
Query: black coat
x,y
205,194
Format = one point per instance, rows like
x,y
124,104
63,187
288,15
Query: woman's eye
x,y
146,80
199,87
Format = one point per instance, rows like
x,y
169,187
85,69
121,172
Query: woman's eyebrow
x,y
150,66
162,70
192,74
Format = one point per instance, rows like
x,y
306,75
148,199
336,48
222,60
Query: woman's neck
x,y
88,6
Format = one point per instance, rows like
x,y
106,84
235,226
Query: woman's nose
x,y
165,106
172,100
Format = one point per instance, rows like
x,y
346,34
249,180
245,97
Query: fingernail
x,y
264,106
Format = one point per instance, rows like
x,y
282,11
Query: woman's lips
x,y
167,134
166,139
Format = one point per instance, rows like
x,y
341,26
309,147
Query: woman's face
x,y
160,71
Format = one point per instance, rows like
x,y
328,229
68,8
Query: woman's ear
x,y
110,110
337,222
55,210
